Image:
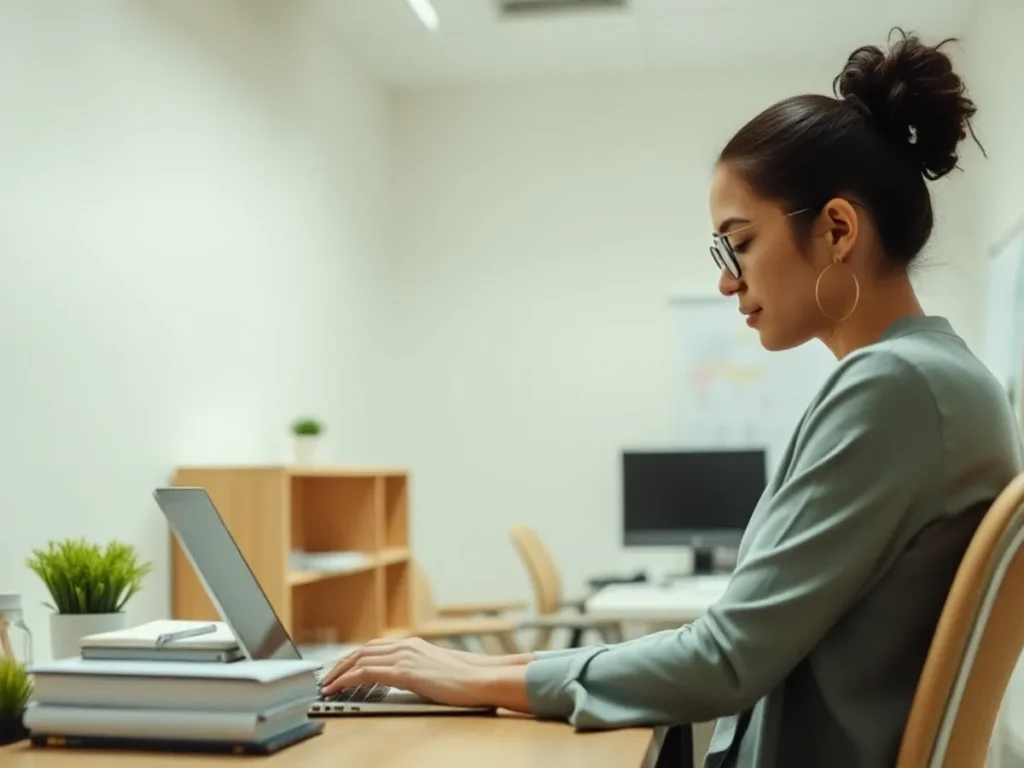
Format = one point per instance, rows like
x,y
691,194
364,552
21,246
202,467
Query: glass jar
x,y
15,636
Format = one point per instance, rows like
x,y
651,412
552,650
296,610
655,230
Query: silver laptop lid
x,y
225,574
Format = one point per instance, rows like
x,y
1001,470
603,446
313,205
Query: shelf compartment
x,y
335,513
341,608
386,557
396,511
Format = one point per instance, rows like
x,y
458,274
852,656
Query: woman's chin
x,y
771,339
770,343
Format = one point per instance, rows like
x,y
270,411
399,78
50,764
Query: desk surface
x,y
683,600
398,742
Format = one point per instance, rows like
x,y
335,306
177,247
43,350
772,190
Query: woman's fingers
x,y
385,668
373,648
392,676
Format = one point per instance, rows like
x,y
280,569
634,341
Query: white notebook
x,y
146,635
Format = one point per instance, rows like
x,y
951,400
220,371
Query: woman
x,y
812,656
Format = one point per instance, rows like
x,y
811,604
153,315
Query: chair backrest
x,y
421,594
544,576
975,648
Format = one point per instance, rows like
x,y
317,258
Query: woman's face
x,y
775,289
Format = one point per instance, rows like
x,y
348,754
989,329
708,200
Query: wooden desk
x,y
398,742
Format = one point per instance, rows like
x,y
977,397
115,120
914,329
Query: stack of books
x,y
135,689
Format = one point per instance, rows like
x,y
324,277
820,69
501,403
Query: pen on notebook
x,y
170,637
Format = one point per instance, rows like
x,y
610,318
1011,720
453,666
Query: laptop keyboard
x,y
359,693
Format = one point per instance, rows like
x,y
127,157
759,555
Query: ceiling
x,y
474,43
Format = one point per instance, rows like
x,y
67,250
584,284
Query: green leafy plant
x,y
15,688
83,579
307,427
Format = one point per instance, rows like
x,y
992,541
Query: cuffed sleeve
x,y
867,450
547,679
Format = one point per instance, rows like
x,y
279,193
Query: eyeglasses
x,y
724,254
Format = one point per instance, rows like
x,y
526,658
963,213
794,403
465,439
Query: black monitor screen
x,y
680,497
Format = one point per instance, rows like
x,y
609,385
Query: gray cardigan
x,y
812,655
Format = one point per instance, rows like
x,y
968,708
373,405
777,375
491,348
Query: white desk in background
x,y
677,602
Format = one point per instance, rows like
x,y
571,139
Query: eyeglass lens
x,y
724,257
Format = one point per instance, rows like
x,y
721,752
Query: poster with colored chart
x,y
1003,344
732,393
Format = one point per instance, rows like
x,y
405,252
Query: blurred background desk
x,y
673,603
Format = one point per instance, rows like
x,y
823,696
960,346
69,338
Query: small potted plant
x,y
15,692
306,432
89,588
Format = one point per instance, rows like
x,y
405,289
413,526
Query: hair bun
x,y
914,96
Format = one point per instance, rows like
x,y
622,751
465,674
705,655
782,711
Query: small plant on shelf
x,y
307,428
15,692
307,432
88,586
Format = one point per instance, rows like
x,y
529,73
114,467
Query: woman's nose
x,y
727,284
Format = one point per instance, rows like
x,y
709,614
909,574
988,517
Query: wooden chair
x,y
552,610
484,622
977,643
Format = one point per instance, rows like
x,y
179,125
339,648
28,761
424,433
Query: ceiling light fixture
x,y
426,13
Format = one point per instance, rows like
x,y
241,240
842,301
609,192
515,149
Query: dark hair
x,y
896,120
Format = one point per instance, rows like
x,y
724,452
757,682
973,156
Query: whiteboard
x,y
733,393
1003,340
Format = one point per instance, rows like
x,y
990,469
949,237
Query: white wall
x,y
543,229
190,241
995,61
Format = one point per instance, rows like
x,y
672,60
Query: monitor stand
x,y
703,560
706,561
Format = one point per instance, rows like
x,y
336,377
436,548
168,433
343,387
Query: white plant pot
x,y
66,629
305,448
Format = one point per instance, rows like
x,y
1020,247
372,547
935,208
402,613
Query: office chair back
x,y
544,576
976,645
423,608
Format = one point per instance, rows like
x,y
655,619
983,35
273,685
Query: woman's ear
x,y
841,225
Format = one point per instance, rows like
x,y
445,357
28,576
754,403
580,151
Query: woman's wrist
x,y
505,687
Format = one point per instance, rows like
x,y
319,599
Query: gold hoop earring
x,y
817,293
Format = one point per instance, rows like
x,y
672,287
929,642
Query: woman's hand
x,y
431,671
413,665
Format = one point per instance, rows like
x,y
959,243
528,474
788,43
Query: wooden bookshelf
x,y
271,511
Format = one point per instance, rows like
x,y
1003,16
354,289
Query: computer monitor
x,y
701,499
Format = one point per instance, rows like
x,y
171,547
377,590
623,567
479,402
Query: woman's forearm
x,y
489,660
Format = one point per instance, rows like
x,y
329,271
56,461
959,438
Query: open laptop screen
x,y
227,577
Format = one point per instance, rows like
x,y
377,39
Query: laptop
x,y
243,605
